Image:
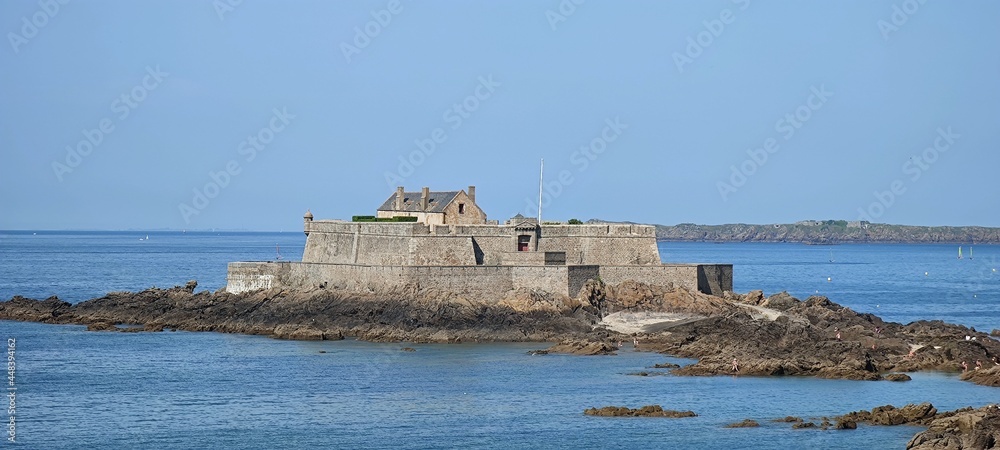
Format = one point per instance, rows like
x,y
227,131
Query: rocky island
x,y
747,334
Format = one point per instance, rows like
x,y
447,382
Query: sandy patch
x,y
645,321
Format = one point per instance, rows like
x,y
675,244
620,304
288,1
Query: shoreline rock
x,y
775,335
585,348
645,411
964,428
745,423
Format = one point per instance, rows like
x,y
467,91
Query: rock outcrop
x,y
781,335
426,316
745,423
645,411
750,334
986,376
962,429
586,348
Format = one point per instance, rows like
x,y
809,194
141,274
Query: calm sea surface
x,y
78,389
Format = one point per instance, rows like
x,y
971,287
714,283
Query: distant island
x,y
827,232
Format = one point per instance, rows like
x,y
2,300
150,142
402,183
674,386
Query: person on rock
x,y
965,366
736,365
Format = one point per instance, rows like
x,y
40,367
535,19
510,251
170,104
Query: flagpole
x,y
541,172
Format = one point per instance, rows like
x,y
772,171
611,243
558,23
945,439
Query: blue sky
x,y
198,114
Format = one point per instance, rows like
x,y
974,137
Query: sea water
x,y
79,389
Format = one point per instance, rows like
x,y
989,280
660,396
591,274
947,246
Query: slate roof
x,y
436,203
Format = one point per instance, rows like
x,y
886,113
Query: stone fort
x,y
443,240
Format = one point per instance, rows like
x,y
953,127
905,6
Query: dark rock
x,y
843,424
102,326
897,377
745,423
780,301
645,411
409,349
583,348
802,425
191,285
911,414
538,352
666,366
648,374
788,419
987,376
961,429
995,332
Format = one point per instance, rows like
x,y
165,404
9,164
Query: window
x,y
522,243
461,208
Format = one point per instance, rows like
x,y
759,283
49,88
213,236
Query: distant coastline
x,y
829,232
815,232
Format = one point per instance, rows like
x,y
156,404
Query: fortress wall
x,y
663,275
552,279
251,276
383,250
715,278
400,244
487,283
348,277
577,276
613,250
477,282
494,246
381,228
480,282
441,251
614,244
329,247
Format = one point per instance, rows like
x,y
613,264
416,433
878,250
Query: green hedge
x,y
383,219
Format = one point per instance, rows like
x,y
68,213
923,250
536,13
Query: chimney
x,y
399,198
472,194
425,193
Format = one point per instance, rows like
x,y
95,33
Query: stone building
x,y
433,207
460,252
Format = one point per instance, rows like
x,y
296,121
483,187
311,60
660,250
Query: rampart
x,y
466,245
481,282
484,261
